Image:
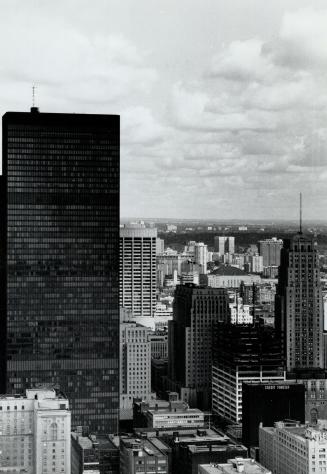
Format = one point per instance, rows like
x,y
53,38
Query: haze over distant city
x,y
223,104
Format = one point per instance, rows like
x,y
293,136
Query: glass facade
x,y
60,260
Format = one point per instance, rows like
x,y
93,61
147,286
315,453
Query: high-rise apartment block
x,y
135,364
291,448
138,283
224,244
242,353
201,255
270,249
59,294
196,309
35,433
299,304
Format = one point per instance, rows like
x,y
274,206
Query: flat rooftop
x,y
250,467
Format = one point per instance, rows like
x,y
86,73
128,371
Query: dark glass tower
x,y
60,260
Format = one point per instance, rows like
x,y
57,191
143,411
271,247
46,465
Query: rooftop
x,y
228,270
250,466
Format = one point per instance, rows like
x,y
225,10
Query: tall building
x,y
59,292
138,281
267,403
201,255
242,353
299,304
292,448
224,244
256,262
270,249
196,309
135,365
35,433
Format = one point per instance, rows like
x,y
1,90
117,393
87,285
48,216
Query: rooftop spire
x,y
300,213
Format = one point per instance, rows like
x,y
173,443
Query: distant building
x,y
256,262
141,456
135,365
227,276
138,246
95,454
35,433
242,353
171,228
291,448
177,414
270,272
196,309
201,255
239,312
160,248
270,249
268,402
247,466
224,244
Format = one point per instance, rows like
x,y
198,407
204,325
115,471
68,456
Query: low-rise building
x,y
177,414
142,456
292,448
95,454
35,432
247,466
227,276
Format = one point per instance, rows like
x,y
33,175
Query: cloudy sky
x,y
223,103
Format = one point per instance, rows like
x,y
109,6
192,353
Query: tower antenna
x,y
33,95
300,213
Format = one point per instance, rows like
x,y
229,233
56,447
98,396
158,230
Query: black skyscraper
x,y
60,260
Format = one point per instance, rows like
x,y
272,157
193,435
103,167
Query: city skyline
x,y
222,106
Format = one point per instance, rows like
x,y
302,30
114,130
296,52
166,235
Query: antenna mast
x,y
33,95
300,213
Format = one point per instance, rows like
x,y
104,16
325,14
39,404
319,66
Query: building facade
x,y
35,433
292,448
135,364
270,250
138,281
142,456
224,244
242,353
95,454
59,292
196,309
299,304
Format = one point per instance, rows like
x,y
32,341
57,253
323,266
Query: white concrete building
x,y
227,276
35,433
224,244
201,255
290,448
256,262
239,312
175,417
135,365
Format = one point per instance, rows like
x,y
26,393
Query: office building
x,y
270,250
95,454
268,402
135,365
242,353
59,293
177,414
142,456
201,256
160,249
239,312
299,304
196,309
247,466
138,246
35,432
292,448
224,244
